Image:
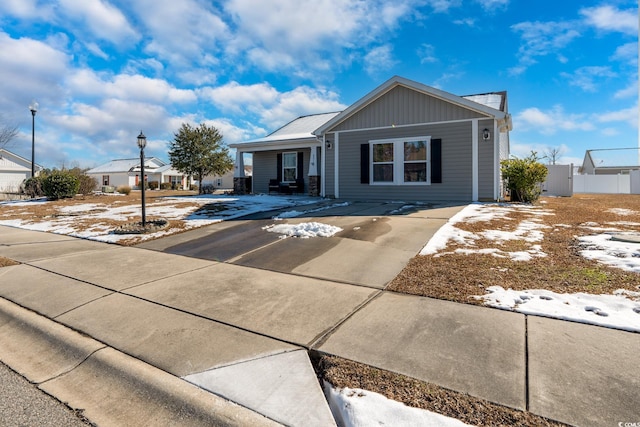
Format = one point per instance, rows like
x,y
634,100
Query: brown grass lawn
x,y
459,277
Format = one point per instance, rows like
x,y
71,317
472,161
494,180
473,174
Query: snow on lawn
x,y
353,407
620,311
192,211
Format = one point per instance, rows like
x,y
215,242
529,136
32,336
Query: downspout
x,y
496,159
323,167
474,160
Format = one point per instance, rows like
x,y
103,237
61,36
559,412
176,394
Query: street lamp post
x,y
33,107
142,142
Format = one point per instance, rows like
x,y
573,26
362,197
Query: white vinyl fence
x,y
611,184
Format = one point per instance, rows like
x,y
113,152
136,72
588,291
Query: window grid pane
x,y
415,150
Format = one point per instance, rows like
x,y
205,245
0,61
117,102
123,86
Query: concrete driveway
x,y
376,242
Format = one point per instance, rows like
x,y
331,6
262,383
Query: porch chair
x,y
274,185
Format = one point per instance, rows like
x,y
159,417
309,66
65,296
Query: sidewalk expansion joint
x,y
526,362
73,368
325,335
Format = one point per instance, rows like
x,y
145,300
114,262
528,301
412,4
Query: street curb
x,y
108,386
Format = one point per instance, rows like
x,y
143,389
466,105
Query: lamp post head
x,y
33,107
142,141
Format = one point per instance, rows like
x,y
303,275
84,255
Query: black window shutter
x,y
300,165
436,161
279,173
364,163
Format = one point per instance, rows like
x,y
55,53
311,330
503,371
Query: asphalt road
x,y
22,404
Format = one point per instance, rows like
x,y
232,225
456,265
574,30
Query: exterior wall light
x,y
486,134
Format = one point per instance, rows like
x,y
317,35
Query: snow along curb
x,y
110,387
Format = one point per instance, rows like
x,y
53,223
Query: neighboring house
x,y
224,182
402,141
13,171
610,161
127,172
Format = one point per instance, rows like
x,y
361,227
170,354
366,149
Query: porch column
x,y
239,180
314,179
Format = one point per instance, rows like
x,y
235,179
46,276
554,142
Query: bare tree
x,y
7,132
553,155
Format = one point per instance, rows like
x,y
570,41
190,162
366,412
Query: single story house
x,y
610,161
14,170
127,172
224,182
402,141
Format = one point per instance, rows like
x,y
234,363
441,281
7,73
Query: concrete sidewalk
x,y
197,342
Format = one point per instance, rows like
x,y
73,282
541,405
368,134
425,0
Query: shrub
x,y
152,185
60,185
208,188
87,184
123,189
193,187
524,177
166,186
32,187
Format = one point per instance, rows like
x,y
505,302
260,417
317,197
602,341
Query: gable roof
x,y
612,158
17,161
300,129
395,81
126,165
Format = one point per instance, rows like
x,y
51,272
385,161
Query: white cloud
x,y
627,53
443,6
426,53
586,77
272,108
491,5
628,115
283,34
30,69
469,22
183,33
102,19
299,102
128,87
542,39
609,18
27,9
232,133
236,98
630,91
552,121
379,59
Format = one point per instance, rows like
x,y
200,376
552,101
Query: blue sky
x,y
104,70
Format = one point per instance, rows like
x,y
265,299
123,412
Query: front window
x,y
400,161
383,162
415,161
289,167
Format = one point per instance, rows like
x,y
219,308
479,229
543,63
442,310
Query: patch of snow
x,y
620,311
602,248
354,407
621,211
295,213
304,230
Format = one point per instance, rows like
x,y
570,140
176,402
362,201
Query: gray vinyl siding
x,y
485,162
329,173
402,106
456,164
265,168
265,165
